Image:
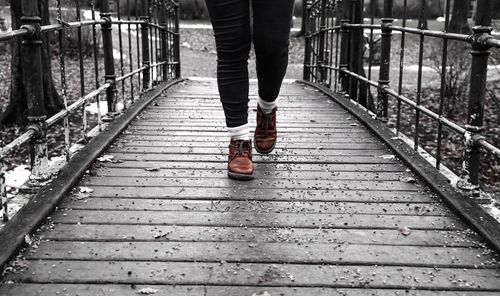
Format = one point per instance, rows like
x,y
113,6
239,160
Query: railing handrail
x,y
481,41
152,26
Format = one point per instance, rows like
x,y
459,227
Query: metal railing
x,y
145,34
337,35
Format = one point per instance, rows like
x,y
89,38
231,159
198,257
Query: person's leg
x,y
231,23
271,30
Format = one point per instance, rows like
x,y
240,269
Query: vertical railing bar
x,y
62,65
96,69
421,26
401,67
156,41
444,62
370,45
385,62
317,51
163,36
355,50
331,16
130,52
120,44
146,62
307,43
151,48
82,72
109,63
138,45
3,189
177,41
337,51
344,44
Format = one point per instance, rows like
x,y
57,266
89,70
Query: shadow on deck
x,y
331,212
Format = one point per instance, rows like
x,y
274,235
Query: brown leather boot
x,y
265,133
239,165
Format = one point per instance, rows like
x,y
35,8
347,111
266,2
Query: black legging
x,y
233,36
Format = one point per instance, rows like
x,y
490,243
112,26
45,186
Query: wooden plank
x,y
224,145
239,193
424,209
174,233
292,253
309,135
223,138
166,129
368,159
26,289
289,175
256,183
197,126
224,150
263,166
257,219
221,123
301,275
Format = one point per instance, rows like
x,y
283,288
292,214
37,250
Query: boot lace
x,y
266,122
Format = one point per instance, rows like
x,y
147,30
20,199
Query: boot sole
x,y
241,177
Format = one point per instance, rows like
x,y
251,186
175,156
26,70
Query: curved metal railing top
x,y
337,38
139,49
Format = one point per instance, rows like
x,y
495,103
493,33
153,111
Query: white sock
x,y
267,107
241,132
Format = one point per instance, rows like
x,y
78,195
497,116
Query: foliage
x,y
193,9
70,36
457,75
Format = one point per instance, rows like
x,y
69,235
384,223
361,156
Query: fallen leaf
x,y
155,169
28,240
265,293
387,156
86,190
147,291
404,231
353,124
105,158
408,180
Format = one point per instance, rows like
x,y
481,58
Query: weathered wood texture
x,y
331,212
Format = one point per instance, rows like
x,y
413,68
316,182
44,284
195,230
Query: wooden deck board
x,y
326,215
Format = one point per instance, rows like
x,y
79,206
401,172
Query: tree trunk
x,y
375,8
302,31
16,111
459,15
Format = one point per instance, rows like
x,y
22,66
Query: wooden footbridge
x,y
343,206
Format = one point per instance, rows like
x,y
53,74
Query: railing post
x,y
307,40
109,62
344,44
356,61
31,63
480,53
3,193
321,48
177,40
385,60
146,74
163,36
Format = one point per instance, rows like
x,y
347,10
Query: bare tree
x,y
16,111
459,17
